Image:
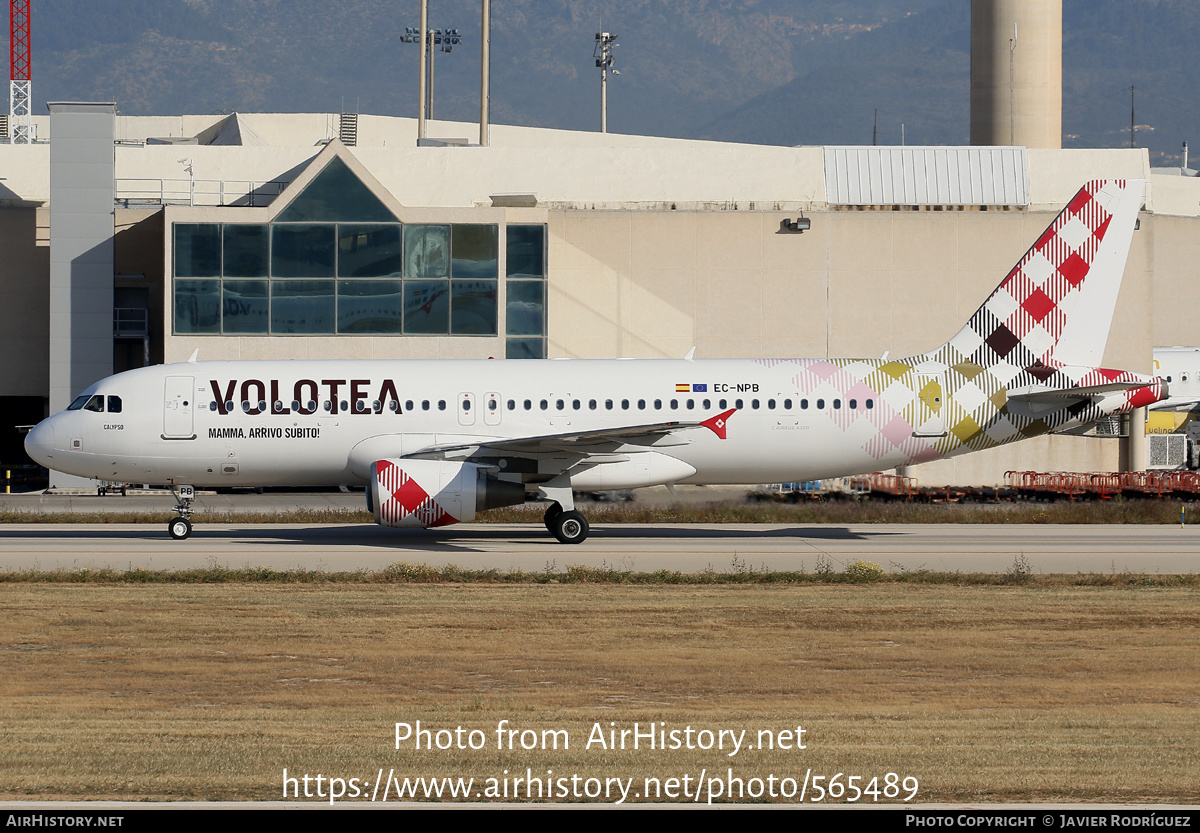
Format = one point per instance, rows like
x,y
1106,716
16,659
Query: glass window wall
x,y
366,278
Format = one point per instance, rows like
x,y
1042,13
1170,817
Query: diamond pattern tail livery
x,y
1056,305
1026,362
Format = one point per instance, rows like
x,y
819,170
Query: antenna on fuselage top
x,y
192,358
689,355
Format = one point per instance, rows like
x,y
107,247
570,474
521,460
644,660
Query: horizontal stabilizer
x,y
1033,395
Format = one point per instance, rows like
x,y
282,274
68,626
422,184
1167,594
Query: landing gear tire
x,y
180,528
552,512
569,527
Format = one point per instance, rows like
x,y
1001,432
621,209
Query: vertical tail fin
x,y
1056,305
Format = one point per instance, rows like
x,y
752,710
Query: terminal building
x,y
139,240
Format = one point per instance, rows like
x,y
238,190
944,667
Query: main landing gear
x,y
568,526
181,526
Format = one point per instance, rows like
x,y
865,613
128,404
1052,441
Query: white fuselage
x,y
324,422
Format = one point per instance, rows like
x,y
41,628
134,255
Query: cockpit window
x,y
114,404
95,403
78,404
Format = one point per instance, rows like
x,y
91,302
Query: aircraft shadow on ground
x,y
434,540
457,538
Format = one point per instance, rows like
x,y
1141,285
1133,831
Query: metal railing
x,y
213,192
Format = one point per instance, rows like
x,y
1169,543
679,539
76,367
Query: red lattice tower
x,y
20,64
18,39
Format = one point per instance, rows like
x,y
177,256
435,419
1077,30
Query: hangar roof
x,y
259,153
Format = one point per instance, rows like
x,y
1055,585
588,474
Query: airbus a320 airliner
x,y
435,442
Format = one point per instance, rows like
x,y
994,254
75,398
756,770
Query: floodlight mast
x,y
447,40
603,53
20,103
485,43
421,71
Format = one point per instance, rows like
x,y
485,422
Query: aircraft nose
x,y
39,443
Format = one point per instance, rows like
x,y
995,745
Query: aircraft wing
x,y
585,442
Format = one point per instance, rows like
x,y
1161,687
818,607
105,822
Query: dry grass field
x,y
981,693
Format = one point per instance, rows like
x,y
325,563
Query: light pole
x,y
447,40
606,42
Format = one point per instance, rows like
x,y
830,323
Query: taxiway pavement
x,y
967,548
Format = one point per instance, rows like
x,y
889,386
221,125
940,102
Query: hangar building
x,y
134,240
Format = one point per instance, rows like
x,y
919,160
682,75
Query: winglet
x,y
718,423
690,354
194,356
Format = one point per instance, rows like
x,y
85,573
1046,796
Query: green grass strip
x,y
859,572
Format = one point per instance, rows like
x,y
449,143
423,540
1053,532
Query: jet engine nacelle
x,y
424,493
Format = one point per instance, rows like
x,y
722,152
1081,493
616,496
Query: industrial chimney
x,y
1016,73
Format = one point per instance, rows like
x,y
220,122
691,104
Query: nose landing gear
x,y
181,527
